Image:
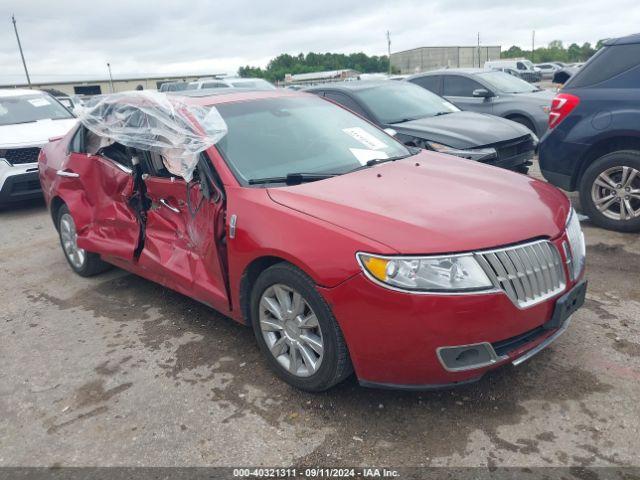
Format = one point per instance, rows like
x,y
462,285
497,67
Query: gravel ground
x,y
115,370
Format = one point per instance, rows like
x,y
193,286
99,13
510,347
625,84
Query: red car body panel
x,y
429,203
406,204
393,336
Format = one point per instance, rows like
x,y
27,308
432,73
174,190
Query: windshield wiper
x,y
378,161
293,178
442,113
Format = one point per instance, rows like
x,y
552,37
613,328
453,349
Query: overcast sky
x,y
71,39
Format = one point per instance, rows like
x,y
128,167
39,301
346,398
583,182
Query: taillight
x,y
561,106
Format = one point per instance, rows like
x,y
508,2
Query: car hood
x,y
462,129
433,203
33,134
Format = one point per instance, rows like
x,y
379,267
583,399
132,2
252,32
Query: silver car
x,y
493,92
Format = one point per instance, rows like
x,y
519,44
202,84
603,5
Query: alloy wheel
x,y
616,193
69,238
291,330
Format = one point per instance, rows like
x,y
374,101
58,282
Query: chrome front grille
x,y
528,274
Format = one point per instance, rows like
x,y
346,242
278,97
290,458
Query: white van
x,y
524,67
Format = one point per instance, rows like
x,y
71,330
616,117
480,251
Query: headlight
x,y
448,273
577,253
483,154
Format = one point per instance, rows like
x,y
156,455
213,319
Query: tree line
x,y
285,63
555,51
316,62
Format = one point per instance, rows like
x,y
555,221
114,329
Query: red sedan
x,y
343,249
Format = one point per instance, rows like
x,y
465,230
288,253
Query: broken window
x,y
153,121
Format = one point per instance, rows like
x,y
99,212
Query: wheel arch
x,y
513,115
248,279
603,147
56,204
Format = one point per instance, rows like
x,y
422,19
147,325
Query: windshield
x,y
398,102
278,136
528,64
505,83
254,85
30,108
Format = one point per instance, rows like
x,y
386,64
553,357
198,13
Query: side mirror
x,y
390,131
482,92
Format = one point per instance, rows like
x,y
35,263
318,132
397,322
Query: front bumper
x,y
394,337
19,183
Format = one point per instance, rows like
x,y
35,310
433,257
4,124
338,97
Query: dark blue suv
x,y
593,141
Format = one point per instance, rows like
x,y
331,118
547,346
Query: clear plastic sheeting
x,y
153,121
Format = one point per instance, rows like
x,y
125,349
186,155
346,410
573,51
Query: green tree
x,y
555,52
574,53
285,63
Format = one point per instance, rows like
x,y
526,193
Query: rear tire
x,y
610,190
320,356
85,264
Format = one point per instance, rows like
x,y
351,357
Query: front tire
x,y
85,264
524,122
610,191
296,330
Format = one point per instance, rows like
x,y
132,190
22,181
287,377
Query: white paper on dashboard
x,y
365,138
39,102
363,155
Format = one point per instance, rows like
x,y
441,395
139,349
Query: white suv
x,y
28,119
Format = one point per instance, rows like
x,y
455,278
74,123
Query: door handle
x,y
164,203
65,173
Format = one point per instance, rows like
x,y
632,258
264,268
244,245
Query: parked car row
x,y
208,83
526,70
419,118
329,220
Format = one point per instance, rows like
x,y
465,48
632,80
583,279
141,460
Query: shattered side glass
x,y
153,121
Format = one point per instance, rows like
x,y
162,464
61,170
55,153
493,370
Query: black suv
x,y
593,141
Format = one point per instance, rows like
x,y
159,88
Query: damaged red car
x,y
344,250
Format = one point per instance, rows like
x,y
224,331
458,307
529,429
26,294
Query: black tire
x,y
336,364
92,264
621,158
523,121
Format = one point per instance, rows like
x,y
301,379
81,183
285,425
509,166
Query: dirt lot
x,y
115,370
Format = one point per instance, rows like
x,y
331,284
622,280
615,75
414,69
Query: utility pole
x,y
110,77
479,66
389,49
533,45
15,28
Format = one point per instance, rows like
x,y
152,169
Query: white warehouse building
x,y
422,59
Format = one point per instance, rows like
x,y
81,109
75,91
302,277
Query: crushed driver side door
x,y
97,191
